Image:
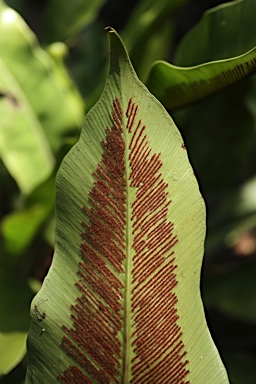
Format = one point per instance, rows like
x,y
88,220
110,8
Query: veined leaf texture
x,y
122,301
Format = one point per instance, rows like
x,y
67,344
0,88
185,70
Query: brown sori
x,y
99,316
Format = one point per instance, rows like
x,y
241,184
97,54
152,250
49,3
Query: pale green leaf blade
x,y
39,110
12,349
121,303
177,87
24,148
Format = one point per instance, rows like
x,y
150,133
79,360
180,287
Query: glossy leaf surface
x,y
121,303
177,87
225,31
213,55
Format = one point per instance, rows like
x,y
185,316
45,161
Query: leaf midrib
x,y
128,264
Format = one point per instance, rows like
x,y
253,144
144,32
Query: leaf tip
x,y
110,30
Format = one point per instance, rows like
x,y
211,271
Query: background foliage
x,y
52,68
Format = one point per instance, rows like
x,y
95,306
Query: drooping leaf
x,y
121,303
225,152
213,55
219,34
38,109
177,87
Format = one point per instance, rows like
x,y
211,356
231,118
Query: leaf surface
x,y
177,87
218,35
38,110
212,56
121,303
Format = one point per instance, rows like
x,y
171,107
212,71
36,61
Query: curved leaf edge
x,y
177,87
41,326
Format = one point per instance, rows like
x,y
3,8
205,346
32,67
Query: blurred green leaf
x,y
38,108
21,132
145,18
227,52
233,291
176,86
12,349
225,31
225,122
88,62
234,217
16,375
148,33
15,298
64,19
20,227
219,133
155,47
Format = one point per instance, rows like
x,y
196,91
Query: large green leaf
x,y
38,108
121,303
225,31
178,86
225,152
213,55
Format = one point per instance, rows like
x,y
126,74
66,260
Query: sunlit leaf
x,y
38,109
121,303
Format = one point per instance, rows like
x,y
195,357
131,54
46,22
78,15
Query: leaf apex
x,y
118,51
